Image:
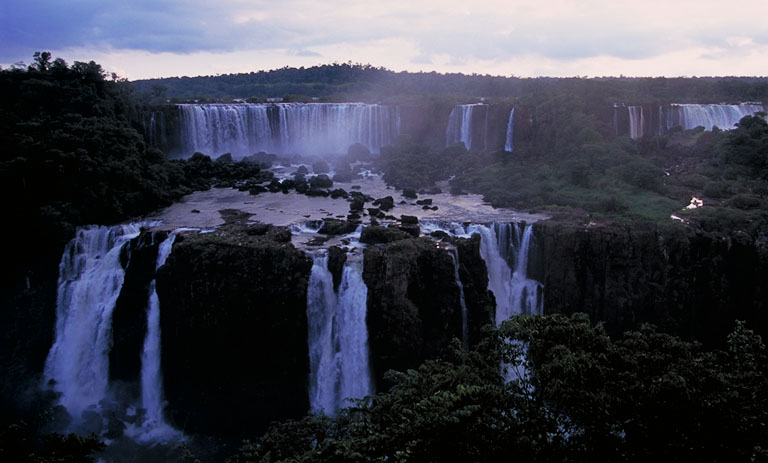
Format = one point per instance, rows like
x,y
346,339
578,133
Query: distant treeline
x,y
348,81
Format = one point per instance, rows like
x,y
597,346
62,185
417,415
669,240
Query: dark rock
x,y
195,211
336,259
302,170
316,192
320,181
403,202
257,189
689,284
258,229
385,204
356,205
356,187
274,186
288,184
409,220
440,234
413,304
354,217
410,193
279,235
374,212
380,235
234,326
339,193
224,159
424,202
412,230
129,316
337,227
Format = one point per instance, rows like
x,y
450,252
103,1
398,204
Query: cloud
x,y
447,33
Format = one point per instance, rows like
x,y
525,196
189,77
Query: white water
x,y
154,428
510,144
460,128
90,278
505,248
337,338
636,122
286,128
462,300
690,116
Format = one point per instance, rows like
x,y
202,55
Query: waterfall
x,y
90,279
636,122
509,146
460,128
462,300
690,116
154,428
505,248
337,337
286,128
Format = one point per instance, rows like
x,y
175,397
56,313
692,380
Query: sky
x,y
140,39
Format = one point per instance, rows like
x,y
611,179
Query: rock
x,y
339,193
195,211
356,187
424,202
336,259
409,220
385,204
274,186
316,192
302,170
234,326
257,189
320,181
380,235
410,193
356,205
412,230
258,229
337,227
413,304
440,235
374,212
354,217
434,191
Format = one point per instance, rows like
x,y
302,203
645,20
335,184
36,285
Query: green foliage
x,y
574,394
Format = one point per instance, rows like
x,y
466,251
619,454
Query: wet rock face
x,y
129,318
234,332
689,284
413,304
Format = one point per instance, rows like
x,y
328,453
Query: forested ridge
x,y
347,81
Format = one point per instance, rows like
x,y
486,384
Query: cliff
x,y
234,331
688,283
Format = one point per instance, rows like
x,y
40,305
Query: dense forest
x,y
347,82
73,151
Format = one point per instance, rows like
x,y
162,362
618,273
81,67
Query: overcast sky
x,y
156,38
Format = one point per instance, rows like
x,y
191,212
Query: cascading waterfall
x,y
460,128
722,116
337,337
154,428
462,300
505,249
509,145
636,122
90,279
286,128
502,245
